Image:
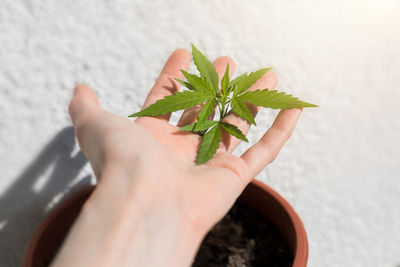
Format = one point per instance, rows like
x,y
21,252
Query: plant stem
x,y
223,111
220,109
224,101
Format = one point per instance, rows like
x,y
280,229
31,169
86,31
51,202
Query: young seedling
x,y
232,95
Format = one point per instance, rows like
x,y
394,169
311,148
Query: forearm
x,y
116,229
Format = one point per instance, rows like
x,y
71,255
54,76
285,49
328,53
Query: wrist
x,y
125,222
148,219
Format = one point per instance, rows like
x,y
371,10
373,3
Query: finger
x,y
268,80
83,107
267,148
83,101
189,115
166,84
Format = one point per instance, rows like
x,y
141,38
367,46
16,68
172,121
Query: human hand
x,y
149,184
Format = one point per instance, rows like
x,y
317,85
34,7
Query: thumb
x,y
82,109
83,100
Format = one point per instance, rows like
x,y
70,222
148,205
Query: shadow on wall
x,y
24,205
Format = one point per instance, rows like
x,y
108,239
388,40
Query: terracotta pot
x,y
50,234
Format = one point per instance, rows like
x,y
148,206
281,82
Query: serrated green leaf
x,y
186,84
199,83
234,82
237,79
242,110
233,130
209,144
206,69
171,103
273,99
234,89
206,110
225,81
252,78
197,127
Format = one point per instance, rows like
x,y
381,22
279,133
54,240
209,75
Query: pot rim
x,y
36,238
300,251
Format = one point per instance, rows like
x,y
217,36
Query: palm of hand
x,y
203,193
171,154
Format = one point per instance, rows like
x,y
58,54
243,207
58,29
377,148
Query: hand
x,y
151,195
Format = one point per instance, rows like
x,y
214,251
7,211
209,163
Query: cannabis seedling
x,y
232,95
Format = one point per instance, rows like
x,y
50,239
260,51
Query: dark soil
x,y
244,238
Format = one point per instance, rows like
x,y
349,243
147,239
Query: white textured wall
x,y
340,170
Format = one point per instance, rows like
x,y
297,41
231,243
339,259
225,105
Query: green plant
x,y
231,95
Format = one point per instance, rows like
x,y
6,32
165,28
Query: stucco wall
x,y
340,170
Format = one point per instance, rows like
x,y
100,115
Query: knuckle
x,y
271,157
166,76
283,133
168,80
83,120
165,85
